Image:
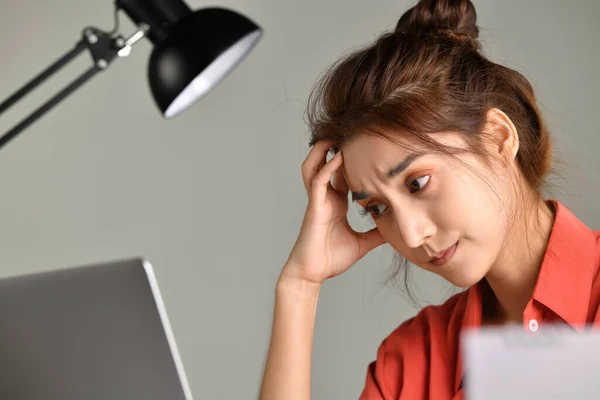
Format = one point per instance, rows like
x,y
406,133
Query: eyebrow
x,y
397,170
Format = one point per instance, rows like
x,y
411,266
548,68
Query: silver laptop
x,y
88,333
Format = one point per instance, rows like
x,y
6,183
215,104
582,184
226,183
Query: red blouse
x,y
421,358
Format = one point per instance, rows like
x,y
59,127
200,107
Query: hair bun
x,y
454,18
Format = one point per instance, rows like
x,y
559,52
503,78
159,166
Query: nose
x,y
415,227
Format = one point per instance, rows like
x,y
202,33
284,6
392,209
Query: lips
x,y
444,256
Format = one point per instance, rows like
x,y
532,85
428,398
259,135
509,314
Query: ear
x,y
503,133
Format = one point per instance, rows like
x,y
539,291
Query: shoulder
x,y
408,354
597,249
596,257
432,322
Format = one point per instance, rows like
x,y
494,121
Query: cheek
x,y
468,206
390,234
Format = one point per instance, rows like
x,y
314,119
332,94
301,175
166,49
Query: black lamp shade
x,y
198,53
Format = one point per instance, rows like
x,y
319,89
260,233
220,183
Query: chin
x,y
465,272
463,282
465,277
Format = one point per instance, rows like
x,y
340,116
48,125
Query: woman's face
x,y
431,203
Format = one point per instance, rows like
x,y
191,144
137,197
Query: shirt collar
x,y
564,282
565,279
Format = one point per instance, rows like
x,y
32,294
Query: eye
x,y
418,184
374,211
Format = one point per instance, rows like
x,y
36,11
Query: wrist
x,y
298,286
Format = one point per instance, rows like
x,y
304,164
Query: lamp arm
x,y
61,95
103,47
48,72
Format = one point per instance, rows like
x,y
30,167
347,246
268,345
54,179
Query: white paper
x,y
556,363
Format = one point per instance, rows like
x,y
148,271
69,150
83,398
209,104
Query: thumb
x,y
369,240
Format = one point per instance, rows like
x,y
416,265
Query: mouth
x,y
444,256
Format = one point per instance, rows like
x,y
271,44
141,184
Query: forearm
x,y
287,370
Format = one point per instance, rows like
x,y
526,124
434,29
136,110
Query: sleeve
x,y
386,369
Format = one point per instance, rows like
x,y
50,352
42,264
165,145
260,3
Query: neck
x,y
513,276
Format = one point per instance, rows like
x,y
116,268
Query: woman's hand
x,y
326,246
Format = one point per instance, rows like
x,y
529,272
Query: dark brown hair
x,y
425,77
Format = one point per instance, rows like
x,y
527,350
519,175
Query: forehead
x,y
368,156
372,155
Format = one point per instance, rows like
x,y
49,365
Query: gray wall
x,y
214,198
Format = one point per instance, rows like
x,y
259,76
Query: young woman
x,y
447,152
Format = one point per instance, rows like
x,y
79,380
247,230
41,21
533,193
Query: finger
x,y
369,240
321,182
339,182
315,161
